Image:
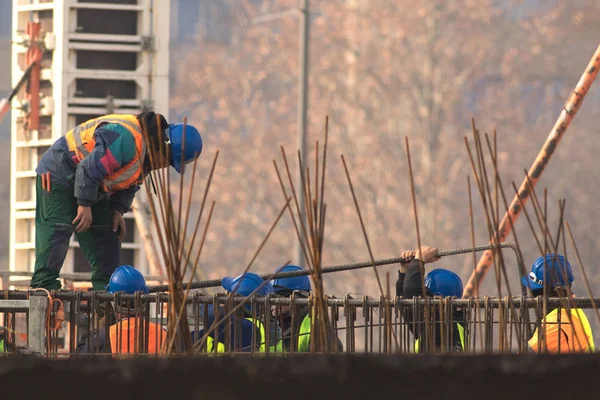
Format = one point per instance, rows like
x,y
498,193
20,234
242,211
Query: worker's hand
x,y
427,254
83,219
408,256
119,224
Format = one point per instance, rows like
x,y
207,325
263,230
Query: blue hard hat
x,y
442,282
126,279
193,145
292,283
244,285
558,269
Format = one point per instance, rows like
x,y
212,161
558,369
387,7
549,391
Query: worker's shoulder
x,y
115,133
115,127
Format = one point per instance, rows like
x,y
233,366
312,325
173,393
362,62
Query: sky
x,y
5,28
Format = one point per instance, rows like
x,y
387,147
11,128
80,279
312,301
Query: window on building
x,y
81,118
88,59
128,257
100,88
114,22
81,264
130,227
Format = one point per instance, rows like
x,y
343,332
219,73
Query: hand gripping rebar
x,y
352,266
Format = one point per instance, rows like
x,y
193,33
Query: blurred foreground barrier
x,y
347,377
23,325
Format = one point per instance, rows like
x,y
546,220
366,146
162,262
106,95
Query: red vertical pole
x,y
535,172
4,107
34,55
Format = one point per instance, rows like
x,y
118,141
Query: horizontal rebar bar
x,y
342,267
199,298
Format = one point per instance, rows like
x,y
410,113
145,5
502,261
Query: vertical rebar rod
x,y
558,131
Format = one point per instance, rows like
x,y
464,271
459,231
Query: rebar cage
x,y
78,324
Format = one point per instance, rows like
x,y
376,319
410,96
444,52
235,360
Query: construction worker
x,y
87,180
285,287
567,331
438,282
301,287
247,335
128,334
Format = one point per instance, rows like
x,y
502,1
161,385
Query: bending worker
x,y
285,287
87,180
568,331
125,337
438,282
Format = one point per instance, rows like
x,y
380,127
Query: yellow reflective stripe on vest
x,y
210,347
81,141
461,335
586,328
130,170
221,346
110,118
304,336
551,336
261,327
278,348
113,118
303,339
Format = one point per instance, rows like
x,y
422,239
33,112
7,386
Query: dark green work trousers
x,y
54,213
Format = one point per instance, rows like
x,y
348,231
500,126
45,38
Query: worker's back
x,y
563,332
136,336
115,164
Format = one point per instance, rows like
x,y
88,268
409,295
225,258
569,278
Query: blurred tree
x,y
383,70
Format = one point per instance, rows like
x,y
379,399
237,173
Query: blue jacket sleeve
x,y
248,331
121,201
97,343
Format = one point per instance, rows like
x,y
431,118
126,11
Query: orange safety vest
x,y
132,341
560,336
80,140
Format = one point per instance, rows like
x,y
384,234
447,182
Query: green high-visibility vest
x,y
303,339
210,346
304,336
461,335
210,343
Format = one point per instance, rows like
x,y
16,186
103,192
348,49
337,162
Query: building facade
x,y
109,56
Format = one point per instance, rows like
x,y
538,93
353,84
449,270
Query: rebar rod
x,y
558,131
347,267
